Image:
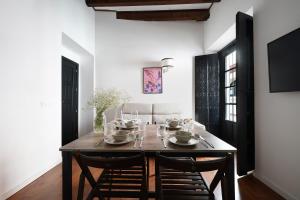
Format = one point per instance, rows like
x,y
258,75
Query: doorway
x,y
69,100
228,103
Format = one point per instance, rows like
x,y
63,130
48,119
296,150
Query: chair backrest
x,y
218,164
107,163
110,163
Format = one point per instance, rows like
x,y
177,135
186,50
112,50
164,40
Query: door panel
x,y
245,94
207,92
69,100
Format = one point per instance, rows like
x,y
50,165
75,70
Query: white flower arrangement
x,y
104,99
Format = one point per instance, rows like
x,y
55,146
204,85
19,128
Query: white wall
x,y
222,18
277,115
78,21
123,48
30,83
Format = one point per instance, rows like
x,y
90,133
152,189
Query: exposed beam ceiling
x,y
165,15
106,3
156,10
155,7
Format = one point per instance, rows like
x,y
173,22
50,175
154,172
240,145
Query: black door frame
x,y
75,95
225,124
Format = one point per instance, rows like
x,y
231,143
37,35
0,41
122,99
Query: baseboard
x,y
274,187
14,190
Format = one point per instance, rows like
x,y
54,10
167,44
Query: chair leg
x,y
81,187
224,189
91,195
94,193
110,183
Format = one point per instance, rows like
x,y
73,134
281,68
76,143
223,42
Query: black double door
x,y
210,104
69,101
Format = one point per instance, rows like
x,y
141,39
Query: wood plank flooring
x,y
49,187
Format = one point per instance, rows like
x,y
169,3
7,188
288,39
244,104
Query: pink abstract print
x,y
152,80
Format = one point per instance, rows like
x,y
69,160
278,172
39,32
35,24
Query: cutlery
x,y
135,141
200,141
212,146
164,142
141,142
204,144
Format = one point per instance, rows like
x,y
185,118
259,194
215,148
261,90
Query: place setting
x,y
123,131
181,133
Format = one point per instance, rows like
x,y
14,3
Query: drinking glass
x,y
142,126
190,126
161,130
109,129
164,137
122,115
118,114
137,117
127,116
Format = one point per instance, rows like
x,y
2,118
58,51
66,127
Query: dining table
x,y
94,144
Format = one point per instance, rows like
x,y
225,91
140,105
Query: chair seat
x,y
121,183
182,185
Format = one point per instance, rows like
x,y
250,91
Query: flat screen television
x,y
284,63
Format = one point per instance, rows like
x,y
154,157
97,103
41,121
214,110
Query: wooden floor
x,y
49,186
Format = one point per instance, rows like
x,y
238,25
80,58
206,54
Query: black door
x,y
69,100
207,92
245,94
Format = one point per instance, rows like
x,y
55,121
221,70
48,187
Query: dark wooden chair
x,y
123,177
180,179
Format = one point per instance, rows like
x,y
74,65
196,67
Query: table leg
x,y
67,175
229,177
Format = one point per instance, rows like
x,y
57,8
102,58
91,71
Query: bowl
x,y
120,135
173,123
129,124
183,136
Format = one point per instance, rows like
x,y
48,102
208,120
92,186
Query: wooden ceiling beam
x,y
165,15
111,3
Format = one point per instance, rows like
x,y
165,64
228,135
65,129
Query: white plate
x,y
111,140
191,142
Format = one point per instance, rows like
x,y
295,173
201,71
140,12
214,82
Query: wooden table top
x,y
92,143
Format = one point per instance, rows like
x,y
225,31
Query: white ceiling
x,y
157,7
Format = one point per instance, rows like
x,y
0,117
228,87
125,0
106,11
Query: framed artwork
x,y
152,80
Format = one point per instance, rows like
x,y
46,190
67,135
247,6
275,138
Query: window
x,y
230,86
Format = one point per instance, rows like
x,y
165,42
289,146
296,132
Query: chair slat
x,y
123,194
186,192
181,177
178,197
126,181
187,182
129,187
123,176
183,187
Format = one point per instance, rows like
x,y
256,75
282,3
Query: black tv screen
x,y
284,63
